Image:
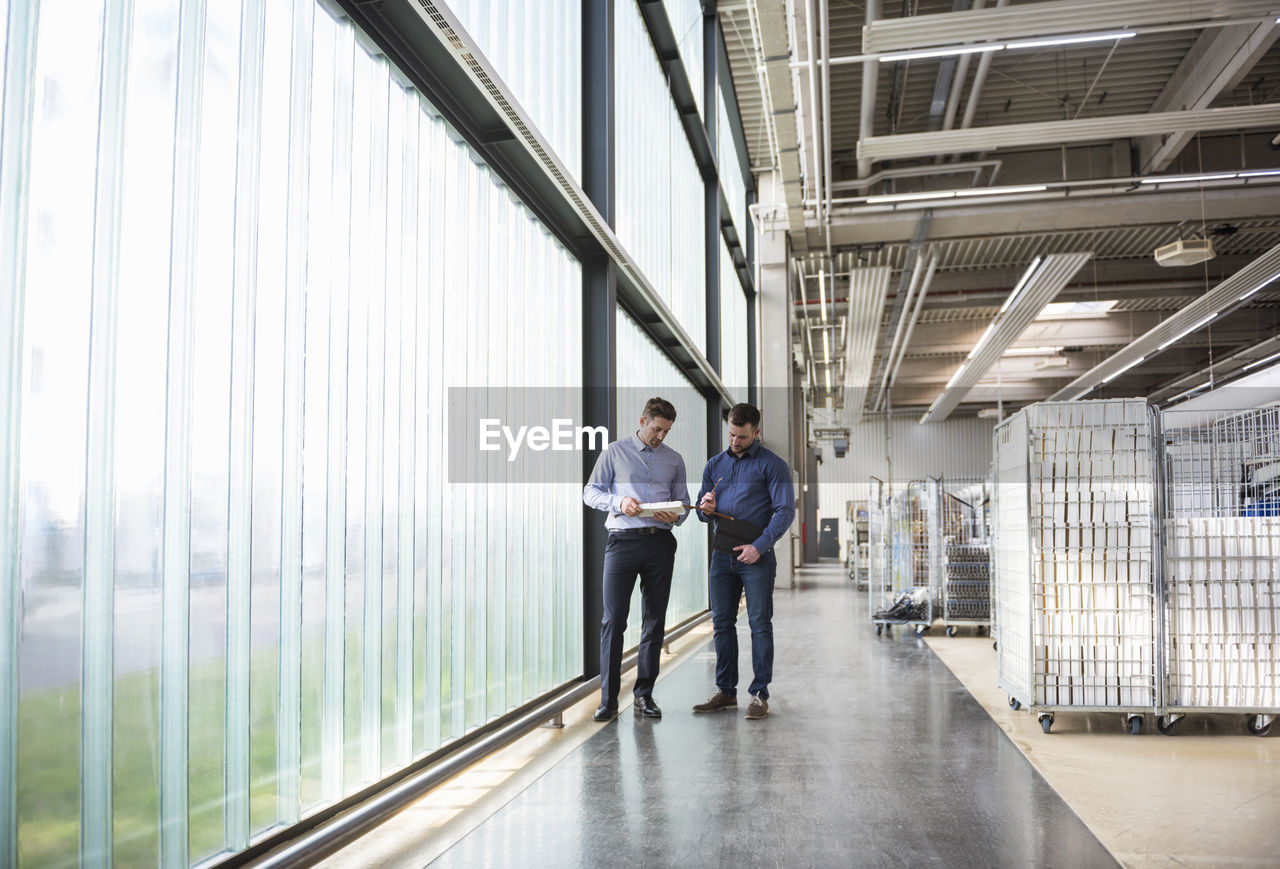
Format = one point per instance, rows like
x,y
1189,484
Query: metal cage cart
x,y
1075,564
859,544
966,580
906,595
1222,565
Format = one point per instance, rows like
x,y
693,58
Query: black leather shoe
x,y
646,707
604,712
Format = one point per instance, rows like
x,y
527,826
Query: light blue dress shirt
x,y
630,468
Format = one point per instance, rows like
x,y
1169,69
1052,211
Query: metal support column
x,y
599,298
711,226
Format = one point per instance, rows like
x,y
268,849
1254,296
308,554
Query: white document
x,y
661,507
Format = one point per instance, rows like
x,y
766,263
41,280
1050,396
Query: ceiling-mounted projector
x,y
1185,252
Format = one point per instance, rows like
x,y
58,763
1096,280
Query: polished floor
x,y
874,755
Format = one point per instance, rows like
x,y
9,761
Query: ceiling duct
x,y
868,289
1045,19
1040,286
1224,297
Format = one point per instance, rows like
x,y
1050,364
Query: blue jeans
x,y
652,558
728,579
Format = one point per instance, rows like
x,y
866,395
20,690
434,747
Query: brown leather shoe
x,y
757,708
716,702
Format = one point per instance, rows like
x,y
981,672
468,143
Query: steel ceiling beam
x,y
907,145
1046,19
774,52
1216,62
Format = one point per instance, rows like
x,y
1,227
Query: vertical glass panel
x,y
731,181
142,311
210,431
686,23
644,371
733,328
52,434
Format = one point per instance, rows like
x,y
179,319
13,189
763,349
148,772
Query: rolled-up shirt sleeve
x,y
596,493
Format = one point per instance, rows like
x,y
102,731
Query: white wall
x,y
953,448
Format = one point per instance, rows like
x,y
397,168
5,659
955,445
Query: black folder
x,y
734,532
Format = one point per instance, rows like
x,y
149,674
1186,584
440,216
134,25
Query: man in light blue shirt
x,y
637,470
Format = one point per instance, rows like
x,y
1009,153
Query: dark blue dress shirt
x,y
756,487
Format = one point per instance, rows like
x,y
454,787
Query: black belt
x,y
648,529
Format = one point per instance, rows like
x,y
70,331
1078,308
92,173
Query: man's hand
x,y
708,501
630,506
666,516
747,554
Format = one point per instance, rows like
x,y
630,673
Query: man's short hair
x,y
659,407
744,414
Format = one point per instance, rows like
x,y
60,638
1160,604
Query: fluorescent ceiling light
x,y
1184,179
1258,173
826,347
822,294
1033,351
1258,287
1000,191
1111,377
1070,40
910,197
1187,331
1022,282
828,380
940,52
1271,358
955,194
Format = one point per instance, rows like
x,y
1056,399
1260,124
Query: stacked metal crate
x,y
1076,569
1222,564
965,581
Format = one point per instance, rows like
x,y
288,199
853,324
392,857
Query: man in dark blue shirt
x,y
752,485
636,470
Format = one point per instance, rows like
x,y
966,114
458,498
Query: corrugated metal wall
x,y
954,448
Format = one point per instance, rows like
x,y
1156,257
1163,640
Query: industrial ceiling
x,y
974,206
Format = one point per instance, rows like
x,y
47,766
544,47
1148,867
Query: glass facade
x,y
245,270
686,23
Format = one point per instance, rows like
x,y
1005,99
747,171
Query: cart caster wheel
x,y
879,630
1046,721
951,630
995,644
920,630
1134,723
1258,725
1014,703
1167,724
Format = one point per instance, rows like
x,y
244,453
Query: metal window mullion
x,y
97,614
240,508
289,721
16,103
176,579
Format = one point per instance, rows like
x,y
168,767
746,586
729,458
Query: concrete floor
x,y
875,754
